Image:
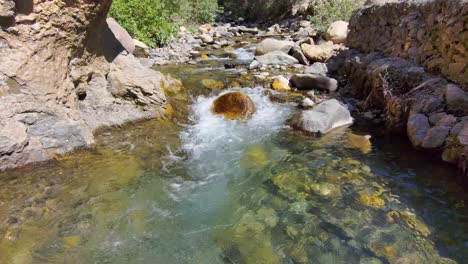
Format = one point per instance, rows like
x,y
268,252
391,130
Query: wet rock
x,y
141,50
255,158
297,53
457,100
268,45
254,65
317,53
360,142
371,200
121,35
323,118
276,58
417,128
317,68
280,83
307,103
314,81
337,32
235,105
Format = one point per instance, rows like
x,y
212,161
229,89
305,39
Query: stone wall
x,y
64,73
432,33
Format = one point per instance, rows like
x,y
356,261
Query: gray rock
x,y
317,68
431,104
417,129
121,35
297,53
254,65
268,45
457,100
206,38
314,81
276,57
435,137
323,118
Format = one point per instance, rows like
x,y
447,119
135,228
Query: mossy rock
x,y
235,105
212,84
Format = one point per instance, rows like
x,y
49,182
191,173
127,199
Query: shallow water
x,y
207,190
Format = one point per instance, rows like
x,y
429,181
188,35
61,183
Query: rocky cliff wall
x,y
432,33
64,73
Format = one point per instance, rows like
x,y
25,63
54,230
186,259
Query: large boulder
x,y
276,58
323,118
314,81
234,105
337,32
268,45
141,50
121,35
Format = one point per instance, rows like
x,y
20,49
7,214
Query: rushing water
x,y
204,189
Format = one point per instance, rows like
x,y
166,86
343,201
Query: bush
x,y
155,21
328,11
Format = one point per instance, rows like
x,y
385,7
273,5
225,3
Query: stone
x,y
276,58
307,103
457,100
234,105
297,53
7,11
268,45
431,104
337,32
417,129
360,142
435,137
130,79
280,83
13,137
323,118
141,50
255,64
317,53
371,200
121,35
205,28
317,68
206,38
314,81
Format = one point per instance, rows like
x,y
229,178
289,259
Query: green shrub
x,y
329,11
155,21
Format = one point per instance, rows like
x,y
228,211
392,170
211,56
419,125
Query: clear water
x,y
207,190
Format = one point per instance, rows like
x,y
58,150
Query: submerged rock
x,y
362,143
212,84
323,118
268,45
235,105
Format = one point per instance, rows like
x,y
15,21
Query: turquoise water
x,y
201,189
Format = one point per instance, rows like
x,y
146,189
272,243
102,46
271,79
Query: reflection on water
x,y
209,190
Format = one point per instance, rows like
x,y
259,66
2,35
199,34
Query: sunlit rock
x,y
371,200
235,105
212,84
362,143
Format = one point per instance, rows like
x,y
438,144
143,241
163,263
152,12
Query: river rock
x,y
280,83
297,53
141,50
234,105
205,28
276,58
435,137
337,32
268,45
254,65
314,81
121,35
7,11
319,53
307,103
323,118
206,38
417,129
457,99
317,68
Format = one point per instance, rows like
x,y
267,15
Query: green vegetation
x,y
329,11
155,21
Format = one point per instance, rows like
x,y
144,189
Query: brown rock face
x,y
236,105
64,73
